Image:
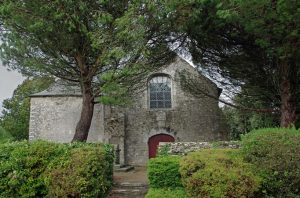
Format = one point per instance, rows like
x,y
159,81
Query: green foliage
x,y
275,152
163,150
280,14
163,172
80,41
39,169
4,135
94,38
218,173
226,144
115,92
243,121
86,173
22,166
166,193
15,116
237,48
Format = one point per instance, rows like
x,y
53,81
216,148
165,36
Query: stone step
x,y
131,185
129,190
128,193
123,168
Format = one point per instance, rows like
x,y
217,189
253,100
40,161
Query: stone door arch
x,y
154,141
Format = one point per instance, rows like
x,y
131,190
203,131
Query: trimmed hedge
x,y
276,154
166,193
44,169
218,173
163,172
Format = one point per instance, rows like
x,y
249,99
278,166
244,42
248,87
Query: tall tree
x,y
16,110
83,42
242,121
253,45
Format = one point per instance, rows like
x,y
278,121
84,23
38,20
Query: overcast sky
x,y
9,80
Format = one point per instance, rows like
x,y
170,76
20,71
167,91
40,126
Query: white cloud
x,y
9,80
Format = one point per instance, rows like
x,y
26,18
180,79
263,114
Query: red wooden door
x,y
154,141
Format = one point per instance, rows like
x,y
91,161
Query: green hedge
x,y
163,172
166,193
43,169
276,154
218,173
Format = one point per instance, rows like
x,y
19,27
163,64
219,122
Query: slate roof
x,y
60,88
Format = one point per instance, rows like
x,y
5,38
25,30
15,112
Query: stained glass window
x,y
160,92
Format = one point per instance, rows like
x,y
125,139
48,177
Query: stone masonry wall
x,y
55,119
189,119
182,148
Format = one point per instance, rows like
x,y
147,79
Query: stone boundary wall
x,y
182,148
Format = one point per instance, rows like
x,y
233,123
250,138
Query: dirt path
x,y
138,174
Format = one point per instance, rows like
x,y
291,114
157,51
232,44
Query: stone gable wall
x,y
55,119
189,119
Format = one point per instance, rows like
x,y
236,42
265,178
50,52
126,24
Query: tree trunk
x,y
287,109
87,110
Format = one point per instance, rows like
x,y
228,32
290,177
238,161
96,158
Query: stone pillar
x,y
122,150
115,127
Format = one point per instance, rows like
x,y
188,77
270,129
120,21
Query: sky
x,y
9,80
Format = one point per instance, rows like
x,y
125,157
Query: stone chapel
x,y
162,112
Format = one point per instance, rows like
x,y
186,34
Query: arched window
x,y
160,92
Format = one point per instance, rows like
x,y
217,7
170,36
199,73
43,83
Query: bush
x,y
163,150
21,168
218,173
276,154
86,173
163,172
166,193
4,135
26,169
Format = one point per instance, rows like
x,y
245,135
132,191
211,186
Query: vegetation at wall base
x,y
218,173
163,172
166,193
242,122
275,152
41,169
4,135
163,150
266,165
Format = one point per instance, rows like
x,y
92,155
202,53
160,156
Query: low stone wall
x,y
181,148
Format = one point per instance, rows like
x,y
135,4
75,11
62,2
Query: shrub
x,y
86,173
218,173
276,154
166,193
163,150
21,168
163,172
4,135
24,167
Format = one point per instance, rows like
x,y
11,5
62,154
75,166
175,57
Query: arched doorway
x,y
154,141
